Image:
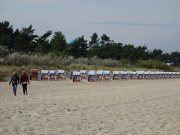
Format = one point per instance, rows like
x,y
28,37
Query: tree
x,y
129,52
104,39
141,53
94,40
43,45
79,47
116,51
6,34
25,40
58,43
155,54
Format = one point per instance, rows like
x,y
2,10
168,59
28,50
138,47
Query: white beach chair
x,y
61,75
152,75
99,76
77,77
83,74
140,75
161,75
44,75
116,75
106,76
146,75
157,75
52,75
166,75
132,75
124,75
71,74
92,76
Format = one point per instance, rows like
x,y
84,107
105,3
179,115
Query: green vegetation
x,y
22,49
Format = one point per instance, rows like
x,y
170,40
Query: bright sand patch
x,y
137,107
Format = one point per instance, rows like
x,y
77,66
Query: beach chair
x,y
161,75
61,75
71,74
124,75
146,75
35,75
151,75
166,75
157,75
140,75
92,76
178,75
99,76
116,75
106,76
132,75
83,74
170,75
44,75
77,77
52,75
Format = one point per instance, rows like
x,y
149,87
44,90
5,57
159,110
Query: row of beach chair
x,y
100,75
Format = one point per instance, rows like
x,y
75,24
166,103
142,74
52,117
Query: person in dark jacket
x,y
15,81
24,80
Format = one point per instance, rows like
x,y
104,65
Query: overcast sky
x,y
154,23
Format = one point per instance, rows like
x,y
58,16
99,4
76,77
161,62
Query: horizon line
x,y
136,24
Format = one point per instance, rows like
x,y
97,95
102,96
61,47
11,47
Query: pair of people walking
x,y
24,80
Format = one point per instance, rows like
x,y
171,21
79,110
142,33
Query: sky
x,y
154,23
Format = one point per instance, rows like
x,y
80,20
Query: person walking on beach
x,y
24,80
15,81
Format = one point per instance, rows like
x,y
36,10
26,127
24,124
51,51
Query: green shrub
x,y
153,64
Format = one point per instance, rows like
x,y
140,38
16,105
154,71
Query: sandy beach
x,y
135,107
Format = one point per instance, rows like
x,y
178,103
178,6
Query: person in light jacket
x,y
24,80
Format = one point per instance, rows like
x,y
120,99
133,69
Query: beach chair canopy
x,y
140,72
52,71
107,72
99,72
83,71
122,72
133,73
115,72
76,73
44,71
92,72
61,71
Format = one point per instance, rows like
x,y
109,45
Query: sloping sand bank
x,y
137,107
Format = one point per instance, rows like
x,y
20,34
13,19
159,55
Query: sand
x,y
135,107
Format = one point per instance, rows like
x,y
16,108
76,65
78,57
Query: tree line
x,y
25,41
